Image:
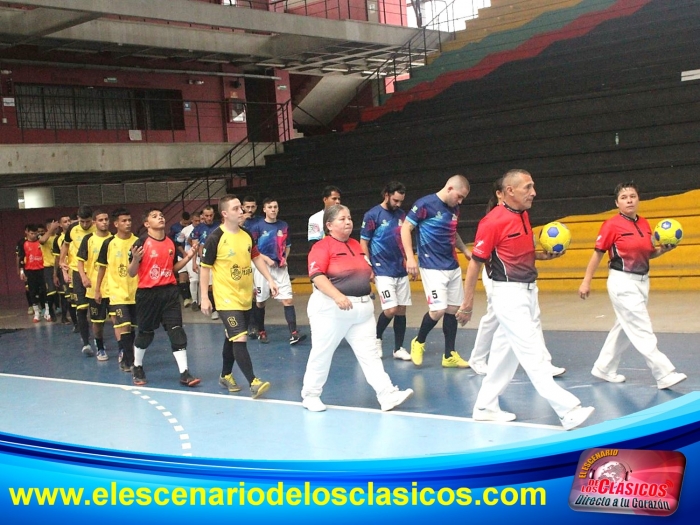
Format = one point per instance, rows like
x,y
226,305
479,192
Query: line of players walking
x,y
228,270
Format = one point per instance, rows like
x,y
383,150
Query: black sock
x,y
73,315
240,352
399,331
184,290
211,298
83,326
290,315
127,342
449,328
382,322
425,327
228,358
100,343
253,315
259,320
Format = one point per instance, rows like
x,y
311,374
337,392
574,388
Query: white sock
x,y
181,358
36,309
194,291
138,355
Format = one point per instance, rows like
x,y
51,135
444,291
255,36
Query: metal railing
x,y
230,166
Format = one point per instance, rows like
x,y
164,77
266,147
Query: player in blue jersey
x,y
200,233
380,237
271,236
436,216
250,206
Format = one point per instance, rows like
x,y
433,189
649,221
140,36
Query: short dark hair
x,y
149,211
623,185
210,207
394,187
224,200
119,212
48,221
250,198
328,190
268,200
185,216
98,212
32,228
84,212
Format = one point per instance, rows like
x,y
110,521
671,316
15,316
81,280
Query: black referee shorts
x,y
158,306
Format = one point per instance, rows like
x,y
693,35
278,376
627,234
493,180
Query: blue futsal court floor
x,y
52,392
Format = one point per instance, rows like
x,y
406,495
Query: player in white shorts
x,y
183,241
271,236
436,217
380,237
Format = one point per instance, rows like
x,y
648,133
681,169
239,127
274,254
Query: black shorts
x,y
36,286
123,314
48,277
156,306
98,312
235,323
78,295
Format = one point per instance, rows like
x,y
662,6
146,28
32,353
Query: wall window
x,y
69,107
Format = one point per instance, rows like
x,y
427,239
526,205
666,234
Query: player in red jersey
x,y
154,260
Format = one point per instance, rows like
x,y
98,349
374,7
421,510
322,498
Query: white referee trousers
x,y
629,294
519,340
489,324
329,325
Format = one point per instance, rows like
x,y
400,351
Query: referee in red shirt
x,y
505,242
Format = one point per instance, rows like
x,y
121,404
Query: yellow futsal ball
x,y
555,237
668,231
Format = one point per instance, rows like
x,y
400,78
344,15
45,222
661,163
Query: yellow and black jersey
x,y
57,243
47,251
74,236
229,256
88,252
114,255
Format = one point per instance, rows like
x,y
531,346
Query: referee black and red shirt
x,y
156,266
344,264
628,242
505,242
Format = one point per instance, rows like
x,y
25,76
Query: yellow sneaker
x,y
229,383
258,388
454,361
417,351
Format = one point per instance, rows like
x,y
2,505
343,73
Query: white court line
x,y
419,415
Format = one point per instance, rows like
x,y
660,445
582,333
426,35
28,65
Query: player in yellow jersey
x,y
47,236
58,278
69,265
87,268
113,264
228,254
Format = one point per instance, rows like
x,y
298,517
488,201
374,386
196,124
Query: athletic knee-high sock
x,y
64,308
100,343
425,327
399,331
181,359
194,291
138,355
259,320
83,326
382,322
228,358
211,298
290,315
73,314
30,299
449,328
254,315
184,290
127,342
240,352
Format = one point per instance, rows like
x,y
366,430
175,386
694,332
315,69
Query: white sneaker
x,y
393,398
671,379
313,404
479,368
87,350
575,417
36,318
378,348
214,316
402,354
557,371
610,378
186,302
481,414
47,316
